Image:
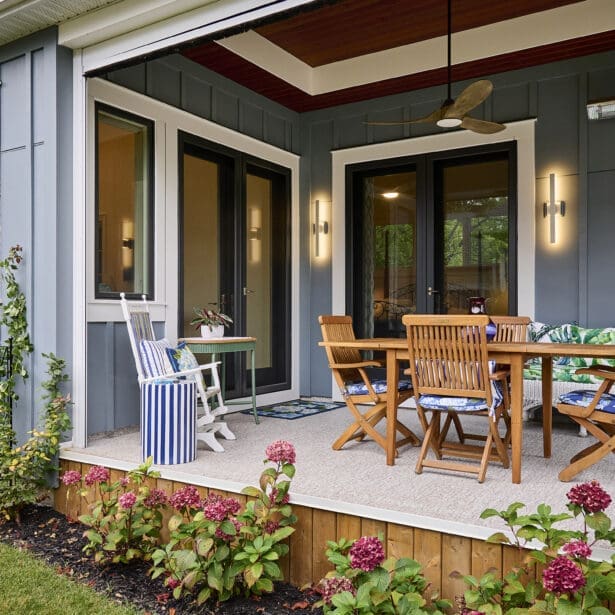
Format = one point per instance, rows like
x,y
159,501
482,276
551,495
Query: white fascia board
x,y
546,27
257,49
109,22
156,35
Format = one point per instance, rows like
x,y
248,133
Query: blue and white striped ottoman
x,y
168,421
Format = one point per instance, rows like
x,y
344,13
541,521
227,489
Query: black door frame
x,y
424,165
233,232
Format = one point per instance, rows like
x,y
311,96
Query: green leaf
x,y
598,521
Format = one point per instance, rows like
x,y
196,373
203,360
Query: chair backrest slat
x,y
337,328
139,325
511,328
448,355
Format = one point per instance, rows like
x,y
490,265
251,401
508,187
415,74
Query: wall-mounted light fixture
x,y
254,234
553,207
601,110
320,227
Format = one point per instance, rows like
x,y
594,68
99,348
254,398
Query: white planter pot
x,y
207,332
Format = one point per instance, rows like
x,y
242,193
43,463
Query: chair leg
x,y
590,455
363,425
225,432
427,441
209,439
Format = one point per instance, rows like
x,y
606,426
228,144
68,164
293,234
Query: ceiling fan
x,y
453,112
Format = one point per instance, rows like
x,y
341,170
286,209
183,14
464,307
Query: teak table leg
x,y
516,409
392,384
547,405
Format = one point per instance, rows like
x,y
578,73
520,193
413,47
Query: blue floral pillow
x,y
182,358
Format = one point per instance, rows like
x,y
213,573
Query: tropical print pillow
x,y
564,368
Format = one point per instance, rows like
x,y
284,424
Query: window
x,y
124,204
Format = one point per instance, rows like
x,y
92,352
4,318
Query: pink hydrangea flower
x,y
577,548
335,585
563,576
124,481
72,477
156,497
280,451
186,497
366,553
271,526
172,582
214,508
127,500
275,495
591,497
97,474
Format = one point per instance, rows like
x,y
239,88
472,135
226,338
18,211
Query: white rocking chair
x,y
152,368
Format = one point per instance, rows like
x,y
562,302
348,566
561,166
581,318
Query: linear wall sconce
x,y
552,208
320,228
601,110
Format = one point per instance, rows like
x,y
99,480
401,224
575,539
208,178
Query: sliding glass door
x,y
427,233
235,251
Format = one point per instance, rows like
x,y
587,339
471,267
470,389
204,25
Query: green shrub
x,y
25,469
571,583
219,550
365,583
125,516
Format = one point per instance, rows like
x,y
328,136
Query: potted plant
x,y
210,321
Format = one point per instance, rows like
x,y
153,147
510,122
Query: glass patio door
x,y
234,255
428,232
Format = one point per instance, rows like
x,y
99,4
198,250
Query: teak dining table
x,y
514,354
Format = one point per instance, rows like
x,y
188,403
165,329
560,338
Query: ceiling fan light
x,y
449,122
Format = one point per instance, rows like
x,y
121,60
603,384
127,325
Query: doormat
x,y
295,409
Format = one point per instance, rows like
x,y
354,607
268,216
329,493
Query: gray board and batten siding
x,y
569,284
36,200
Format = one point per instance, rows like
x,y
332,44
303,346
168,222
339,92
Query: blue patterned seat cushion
x,y
584,398
462,404
380,386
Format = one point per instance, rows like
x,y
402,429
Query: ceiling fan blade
x,y
433,117
481,126
470,97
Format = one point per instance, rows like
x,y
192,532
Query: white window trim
x,y
522,132
167,121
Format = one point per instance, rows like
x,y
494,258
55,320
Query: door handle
x,y
247,291
432,291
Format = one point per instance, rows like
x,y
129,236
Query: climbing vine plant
x,y
24,469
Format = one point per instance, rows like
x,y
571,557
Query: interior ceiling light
x,y
390,195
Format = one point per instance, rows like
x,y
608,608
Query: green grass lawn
x,y
29,586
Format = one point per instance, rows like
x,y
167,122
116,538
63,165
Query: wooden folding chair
x,y
508,329
595,411
451,374
349,371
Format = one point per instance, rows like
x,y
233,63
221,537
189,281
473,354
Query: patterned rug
x,y
295,409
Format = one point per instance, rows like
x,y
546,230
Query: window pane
x,y
389,251
475,235
124,222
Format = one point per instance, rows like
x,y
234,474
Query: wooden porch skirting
x,y
440,553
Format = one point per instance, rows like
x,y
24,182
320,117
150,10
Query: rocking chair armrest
x,y
355,365
195,370
176,375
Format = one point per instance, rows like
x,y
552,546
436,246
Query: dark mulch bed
x,y
49,535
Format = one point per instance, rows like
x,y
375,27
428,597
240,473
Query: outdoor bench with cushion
x,y
565,378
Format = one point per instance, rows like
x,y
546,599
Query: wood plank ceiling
x,y
332,31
